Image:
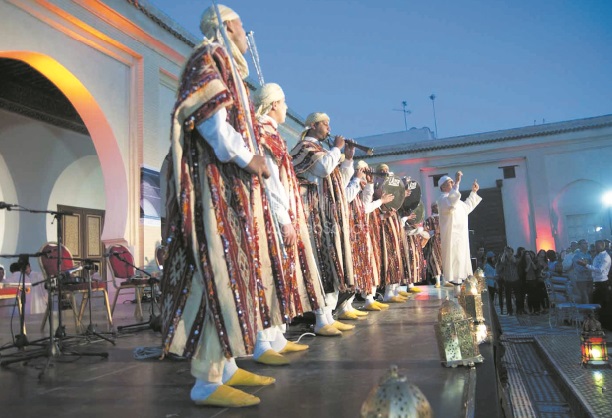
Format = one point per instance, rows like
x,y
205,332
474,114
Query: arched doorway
x,y
99,130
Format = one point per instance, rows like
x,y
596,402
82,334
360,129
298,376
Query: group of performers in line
x,y
258,234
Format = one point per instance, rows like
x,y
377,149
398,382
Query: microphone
x,y
4,205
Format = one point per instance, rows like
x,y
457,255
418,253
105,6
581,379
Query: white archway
x,y
104,140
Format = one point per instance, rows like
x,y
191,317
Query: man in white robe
x,y
456,264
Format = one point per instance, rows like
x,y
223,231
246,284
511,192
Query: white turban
x,y
362,165
265,96
382,167
443,180
314,118
209,25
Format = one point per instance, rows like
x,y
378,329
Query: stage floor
x,y
331,379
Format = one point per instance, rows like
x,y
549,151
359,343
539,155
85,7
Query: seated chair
x,y
97,286
48,265
125,276
561,307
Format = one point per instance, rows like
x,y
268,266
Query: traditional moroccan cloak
x,y
212,290
363,270
301,291
432,250
328,220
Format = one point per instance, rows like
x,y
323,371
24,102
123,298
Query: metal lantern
x,y
593,344
394,397
480,276
470,299
457,343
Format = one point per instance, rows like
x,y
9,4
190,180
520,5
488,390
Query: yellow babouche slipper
x,y
403,293
272,358
414,289
228,397
244,378
447,284
437,286
373,307
348,315
396,299
328,331
342,326
292,347
381,305
359,313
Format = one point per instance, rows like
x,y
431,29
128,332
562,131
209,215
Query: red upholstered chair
x,y
126,277
48,265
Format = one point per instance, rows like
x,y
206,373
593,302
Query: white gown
x,y
454,235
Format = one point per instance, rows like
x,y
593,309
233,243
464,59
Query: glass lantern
x,y
455,335
471,300
395,397
593,344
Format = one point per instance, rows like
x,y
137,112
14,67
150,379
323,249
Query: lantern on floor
x,y
593,344
480,277
470,299
394,397
457,343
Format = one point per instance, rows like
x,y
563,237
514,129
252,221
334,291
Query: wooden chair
x,y
49,266
125,277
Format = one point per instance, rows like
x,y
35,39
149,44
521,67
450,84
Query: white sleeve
x,y
325,165
227,144
352,189
279,201
367,196
347,170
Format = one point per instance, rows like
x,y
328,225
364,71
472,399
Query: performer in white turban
x,y
299,289
454,234
324,182
214,291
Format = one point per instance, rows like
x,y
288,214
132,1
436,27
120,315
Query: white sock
x,y
203,389
369,300
229,369
279,340
410,285
389,292
329,315
263,342
346,306
321,318
437,280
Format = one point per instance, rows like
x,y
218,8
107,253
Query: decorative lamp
x,y
394,397
470,299
457,343
480,276
593,344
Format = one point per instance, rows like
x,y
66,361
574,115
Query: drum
x,y
395,186
420,214
411,202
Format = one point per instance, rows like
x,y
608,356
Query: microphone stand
x,y
154,321
20,341
91,328
55,346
